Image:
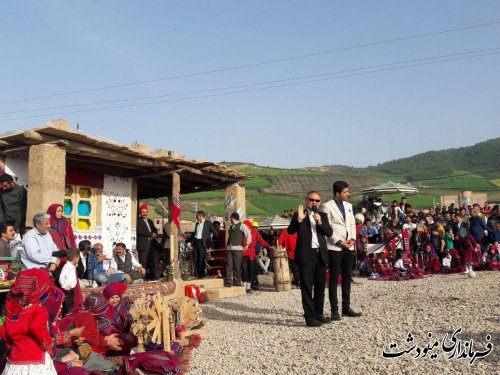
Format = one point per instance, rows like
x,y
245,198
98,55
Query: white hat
x,y
360,217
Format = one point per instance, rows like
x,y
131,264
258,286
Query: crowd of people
x,y
445,240
49,326
324,243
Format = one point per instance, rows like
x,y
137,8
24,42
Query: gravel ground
x,y
264,333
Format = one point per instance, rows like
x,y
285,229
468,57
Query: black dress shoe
x,y
351,313
313,323
323,319
336,316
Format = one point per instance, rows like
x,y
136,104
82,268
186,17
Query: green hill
x,y
435,173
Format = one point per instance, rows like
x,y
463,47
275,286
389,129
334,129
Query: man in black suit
x,y
146,233
312,228
202,241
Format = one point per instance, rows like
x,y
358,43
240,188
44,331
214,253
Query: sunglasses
x,y
314,200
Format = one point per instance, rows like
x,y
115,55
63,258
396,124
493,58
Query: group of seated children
x,y
383,266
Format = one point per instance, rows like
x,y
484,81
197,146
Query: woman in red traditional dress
x,y
62,233
25,330
118,306
60,228
88,317
431,259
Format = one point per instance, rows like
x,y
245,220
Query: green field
x,y
269,190
496,182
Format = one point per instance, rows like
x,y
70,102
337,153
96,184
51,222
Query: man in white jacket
x,y
341,247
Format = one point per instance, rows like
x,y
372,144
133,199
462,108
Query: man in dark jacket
x,y
146,250
311,254
202,241
478,228
13,200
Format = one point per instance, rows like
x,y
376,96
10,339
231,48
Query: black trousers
x,y
143,255
199,253
294,267
340,264
247,270
69,301
255,279
312,287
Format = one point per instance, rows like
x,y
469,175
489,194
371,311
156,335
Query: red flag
x,y
176,209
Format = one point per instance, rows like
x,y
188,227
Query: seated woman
x,y
60,228
118,306
456,264
414,271
431,259
493,258
385,270
88,318
98,305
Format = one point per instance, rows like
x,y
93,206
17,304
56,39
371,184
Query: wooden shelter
x,y
57,164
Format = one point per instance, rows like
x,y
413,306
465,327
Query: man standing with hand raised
x,y
311,255
341,247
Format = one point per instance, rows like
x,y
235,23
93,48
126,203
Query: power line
x,y
246,66
255,84
254,89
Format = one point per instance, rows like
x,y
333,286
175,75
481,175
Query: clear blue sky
x,y
51,47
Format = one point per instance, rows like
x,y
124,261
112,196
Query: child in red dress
x,y
26,331
472,254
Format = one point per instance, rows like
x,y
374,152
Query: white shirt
x,y
399,264
67,279
135,264
38,249
446,262
147,224
84,262
314,237
199,230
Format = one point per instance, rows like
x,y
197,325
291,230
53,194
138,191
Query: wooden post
x,y
165,319
234,202
47,178
174,235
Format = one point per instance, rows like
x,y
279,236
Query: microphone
x,y
315,209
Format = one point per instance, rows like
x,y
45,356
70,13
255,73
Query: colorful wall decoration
x,y
116,212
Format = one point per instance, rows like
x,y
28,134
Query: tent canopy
x,y
276,222
390,188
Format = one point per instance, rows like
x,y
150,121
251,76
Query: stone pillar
x,y
234,202
46,178
174,231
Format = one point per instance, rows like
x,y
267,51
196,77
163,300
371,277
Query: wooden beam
x,y
60,142
5,143
158,173
33,136
89,150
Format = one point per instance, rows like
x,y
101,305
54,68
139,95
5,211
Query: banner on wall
x,y
116,214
